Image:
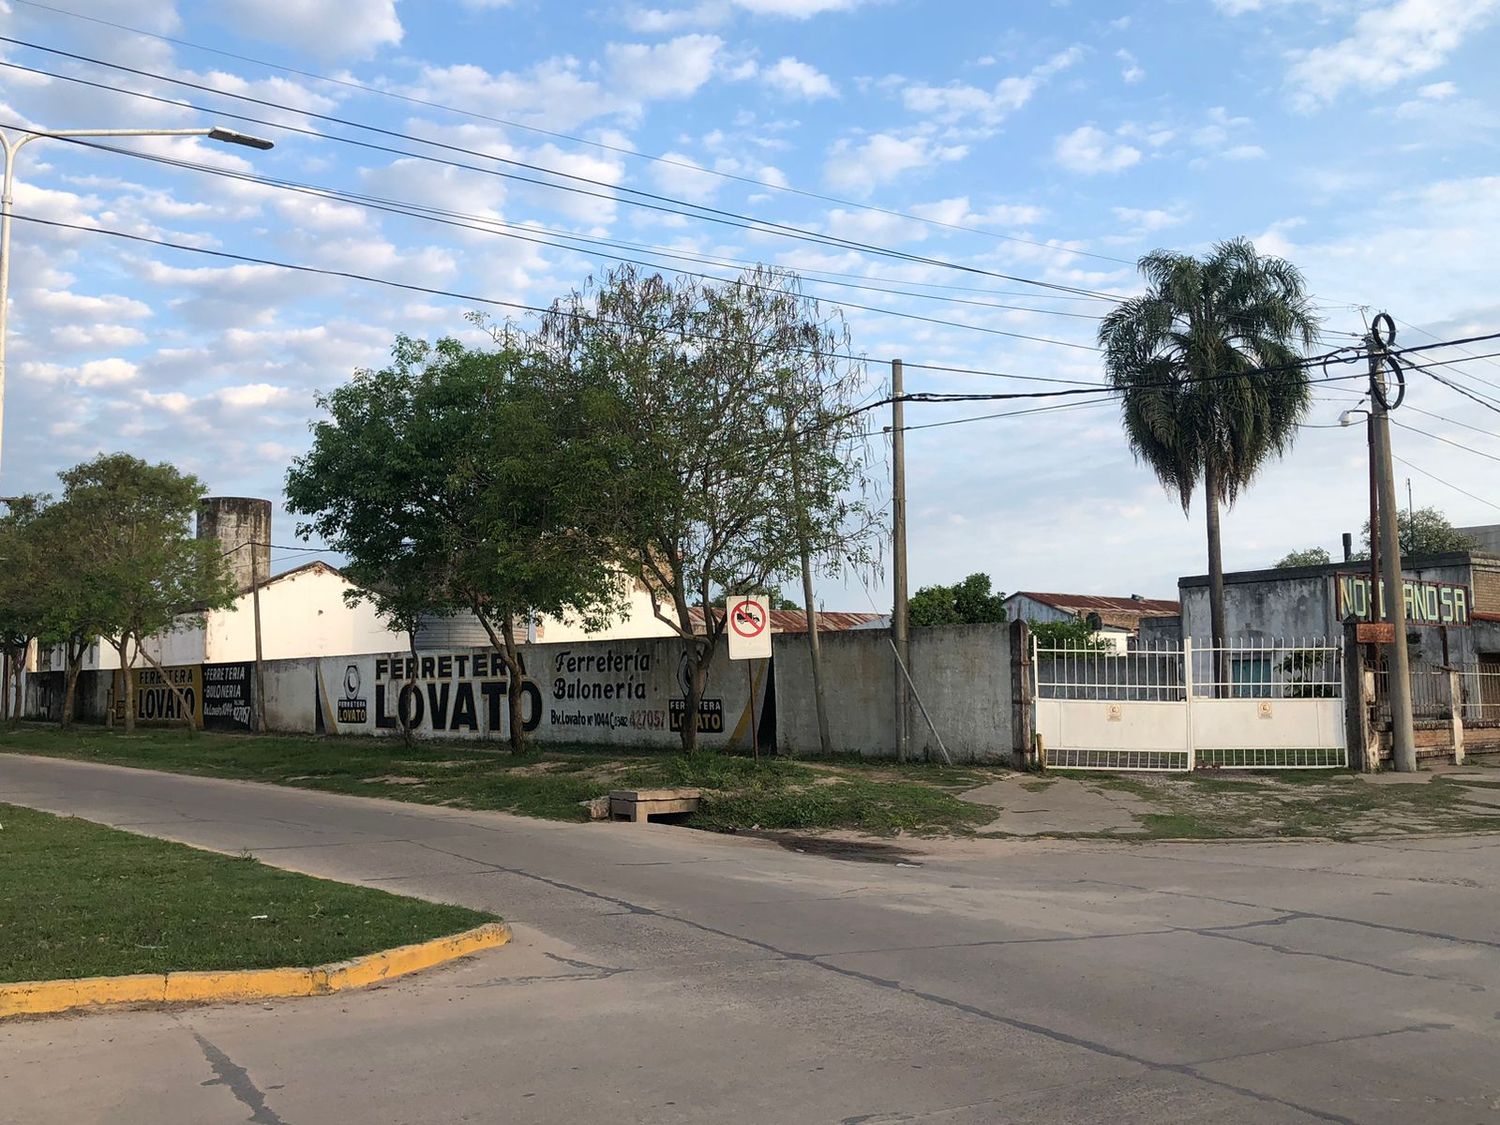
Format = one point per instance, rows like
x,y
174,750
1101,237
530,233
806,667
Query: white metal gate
x,y
1252,704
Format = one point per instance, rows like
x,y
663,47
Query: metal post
x,y
7,198
754,731
1403,740
899,632
260,666
1187,688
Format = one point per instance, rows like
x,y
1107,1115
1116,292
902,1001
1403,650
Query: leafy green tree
x,y
1426,531
148,573
1073,634
453,481
969,602
1309,556
24,576
719,409
1206,361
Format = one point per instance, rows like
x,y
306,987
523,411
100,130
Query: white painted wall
x,y
637,622
302,613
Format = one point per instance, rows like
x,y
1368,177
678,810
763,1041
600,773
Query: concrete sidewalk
x,y
664,975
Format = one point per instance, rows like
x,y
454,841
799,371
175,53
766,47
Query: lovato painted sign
x,y
749,627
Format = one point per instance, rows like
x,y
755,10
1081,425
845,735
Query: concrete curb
x,y
38,997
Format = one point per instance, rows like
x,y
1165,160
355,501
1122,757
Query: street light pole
x,y
13,145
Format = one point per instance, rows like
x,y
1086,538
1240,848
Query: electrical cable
x,y
1449,483
1446,441
486,224
649,200
618,149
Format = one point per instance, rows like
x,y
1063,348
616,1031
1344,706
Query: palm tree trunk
x,y
1211,490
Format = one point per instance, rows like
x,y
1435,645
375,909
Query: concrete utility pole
x,y
1398,679
13,146
899,636
260,666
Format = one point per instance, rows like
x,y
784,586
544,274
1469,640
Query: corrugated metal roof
x,y
795,621
1084,603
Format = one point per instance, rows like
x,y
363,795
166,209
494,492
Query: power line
x,y
1449,483
349,275
649,200
1447,441
527,232
1005,414
618,149
482,226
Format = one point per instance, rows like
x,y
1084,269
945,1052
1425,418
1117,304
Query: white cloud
x,y
1131,72
95,373
796,9
251,394
859,168
958,212
552,92
674,69
959,100
662,21
1149,221
684,178
1386,46
326,28
1090,150
797,79
1244,152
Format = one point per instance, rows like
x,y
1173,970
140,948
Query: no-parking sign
x,y
749,627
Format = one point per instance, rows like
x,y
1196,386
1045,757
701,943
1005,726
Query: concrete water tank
x,y
242,525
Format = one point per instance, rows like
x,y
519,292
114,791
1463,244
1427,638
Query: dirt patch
x,y
835,847
397,779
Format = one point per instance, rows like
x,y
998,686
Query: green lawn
x,y
79,900
739,793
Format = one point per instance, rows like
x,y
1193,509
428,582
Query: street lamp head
x,y
1348,417
230,137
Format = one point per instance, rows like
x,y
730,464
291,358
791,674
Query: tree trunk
x,y
70,693
506,647
694,685
190,718
127,683
1212,489
513,686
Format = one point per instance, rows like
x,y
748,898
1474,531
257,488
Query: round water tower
x,y
242,525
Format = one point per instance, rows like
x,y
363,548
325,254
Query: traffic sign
x,y
749,627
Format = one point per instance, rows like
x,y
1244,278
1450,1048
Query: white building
x,y
302,613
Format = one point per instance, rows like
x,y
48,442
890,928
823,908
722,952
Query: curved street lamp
x,y
14,145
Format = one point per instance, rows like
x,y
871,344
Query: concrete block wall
x,y
962,673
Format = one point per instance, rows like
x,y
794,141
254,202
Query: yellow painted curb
x,y
38,997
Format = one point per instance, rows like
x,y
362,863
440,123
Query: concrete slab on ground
x,y
1034,806
678,976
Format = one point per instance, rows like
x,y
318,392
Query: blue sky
x,y
1357,137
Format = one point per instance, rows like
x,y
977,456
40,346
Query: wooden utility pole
x,y
1398,663
260,667
899,634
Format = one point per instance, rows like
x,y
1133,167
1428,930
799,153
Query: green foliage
x,y
1206,364
1074,634
969,602
1426,531
457,480
1309,556
134,568
723,414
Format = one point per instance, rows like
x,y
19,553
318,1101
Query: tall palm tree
x,y
1206,363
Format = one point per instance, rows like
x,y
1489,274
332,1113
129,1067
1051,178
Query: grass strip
x,y
78,899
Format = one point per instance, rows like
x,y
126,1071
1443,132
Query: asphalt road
x,y
663,975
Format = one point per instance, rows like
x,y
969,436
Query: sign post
x,y
750,640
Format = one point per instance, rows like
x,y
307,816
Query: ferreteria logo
x,y
352,705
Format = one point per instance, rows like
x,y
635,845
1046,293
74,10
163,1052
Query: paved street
x,y
664,975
